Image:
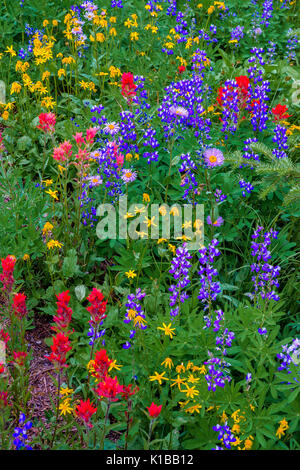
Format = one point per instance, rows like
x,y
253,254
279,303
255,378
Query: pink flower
x,y
90,134
47,122
79,139
63,152
120,159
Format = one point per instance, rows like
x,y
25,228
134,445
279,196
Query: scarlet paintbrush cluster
x,y
98,306
47,122
19,305
85,411
61,344
6,277
64,313
59,349
128,86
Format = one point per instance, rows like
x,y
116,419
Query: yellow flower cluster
x,y
43,50
131,22
283,426
88,85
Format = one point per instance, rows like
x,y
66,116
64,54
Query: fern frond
x,y
293,195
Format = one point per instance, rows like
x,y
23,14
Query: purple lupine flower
x,y
267,13
237,33
220,197
280,138
225,435
248,153
180,271
20,434
259,107
188,181
217,373
135,313
262,331
246,186
290,355
230,107
256,59
265,274
291,45
209,289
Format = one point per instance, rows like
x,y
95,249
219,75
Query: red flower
x,y
109,388
47,122
64,313
128,86
181,68
98,306
3,400
2,368
19,305
101,364
61,345
4,336
19,358
8,266
154,410
279,112
127,391
85,410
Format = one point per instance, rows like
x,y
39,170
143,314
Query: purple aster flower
x,y
179,111
213,157
216,223
111,128
128,176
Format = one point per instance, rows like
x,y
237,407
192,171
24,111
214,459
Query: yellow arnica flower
x,y
146,197
5,115
26,257
190,391
130,274
167,330
47,227
167,363
158,377
65,407
52,194
66,391
114,365
178,381
54,244
48,182
193,408
10,50
15,88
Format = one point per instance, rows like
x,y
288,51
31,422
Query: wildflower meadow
x,y
149,225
